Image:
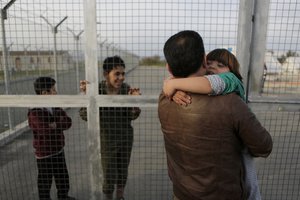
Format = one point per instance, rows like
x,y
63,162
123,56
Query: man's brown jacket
x,y
204,143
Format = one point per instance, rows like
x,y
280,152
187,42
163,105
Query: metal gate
x,y
69,41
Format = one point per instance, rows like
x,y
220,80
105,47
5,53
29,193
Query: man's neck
x,y
200,72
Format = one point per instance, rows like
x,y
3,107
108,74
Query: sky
x,y
142,26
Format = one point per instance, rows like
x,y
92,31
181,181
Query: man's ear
x,y
205,62
168,68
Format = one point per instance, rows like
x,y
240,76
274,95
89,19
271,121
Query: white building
x,y
37,60
292,65
272,64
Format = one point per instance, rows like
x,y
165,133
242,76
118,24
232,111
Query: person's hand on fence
x,y
134,91
135,110
83,84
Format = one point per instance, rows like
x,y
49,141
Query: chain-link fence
x,y
69,41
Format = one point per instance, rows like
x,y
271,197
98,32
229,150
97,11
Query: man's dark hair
x,y
184,52
112,62
43,84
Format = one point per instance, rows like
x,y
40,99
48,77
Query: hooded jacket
x,y
48,140
204,143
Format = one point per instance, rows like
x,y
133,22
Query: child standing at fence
x,y
47,125
116,132
225,78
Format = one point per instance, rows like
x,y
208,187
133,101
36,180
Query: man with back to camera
x,y
204,140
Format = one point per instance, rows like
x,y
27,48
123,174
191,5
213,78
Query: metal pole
x,y
55,50
54,31
253,20
101,56
55,58
77,37
10,68
4,55
93,128
258,47
107,47
39,60
77,61
5,67
244,38
26,60
77,65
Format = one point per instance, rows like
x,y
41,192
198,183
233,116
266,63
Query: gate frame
x,y
251,46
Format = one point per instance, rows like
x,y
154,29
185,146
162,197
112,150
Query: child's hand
x,y
135,112
168,89
52,125
83,84
134,91
61,118
182,98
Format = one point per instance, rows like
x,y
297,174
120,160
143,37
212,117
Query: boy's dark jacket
x,y
114,118
48,141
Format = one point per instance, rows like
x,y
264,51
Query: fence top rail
x,y
275,100
78,100
115,100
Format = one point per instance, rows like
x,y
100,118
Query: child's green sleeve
x,y
232,84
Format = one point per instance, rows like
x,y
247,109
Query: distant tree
x,y
291,54
152,60
282,59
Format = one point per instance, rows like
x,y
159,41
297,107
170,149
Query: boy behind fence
x,y
47,125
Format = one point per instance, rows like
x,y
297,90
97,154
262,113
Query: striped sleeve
x,y
217,84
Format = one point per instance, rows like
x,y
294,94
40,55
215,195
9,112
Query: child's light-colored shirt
x,y
225,83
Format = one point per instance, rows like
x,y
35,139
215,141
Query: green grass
x,y
152,61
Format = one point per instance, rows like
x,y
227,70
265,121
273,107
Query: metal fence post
x,y
258,47
76,38
244,38
54,31
5,59
253,21
91,67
